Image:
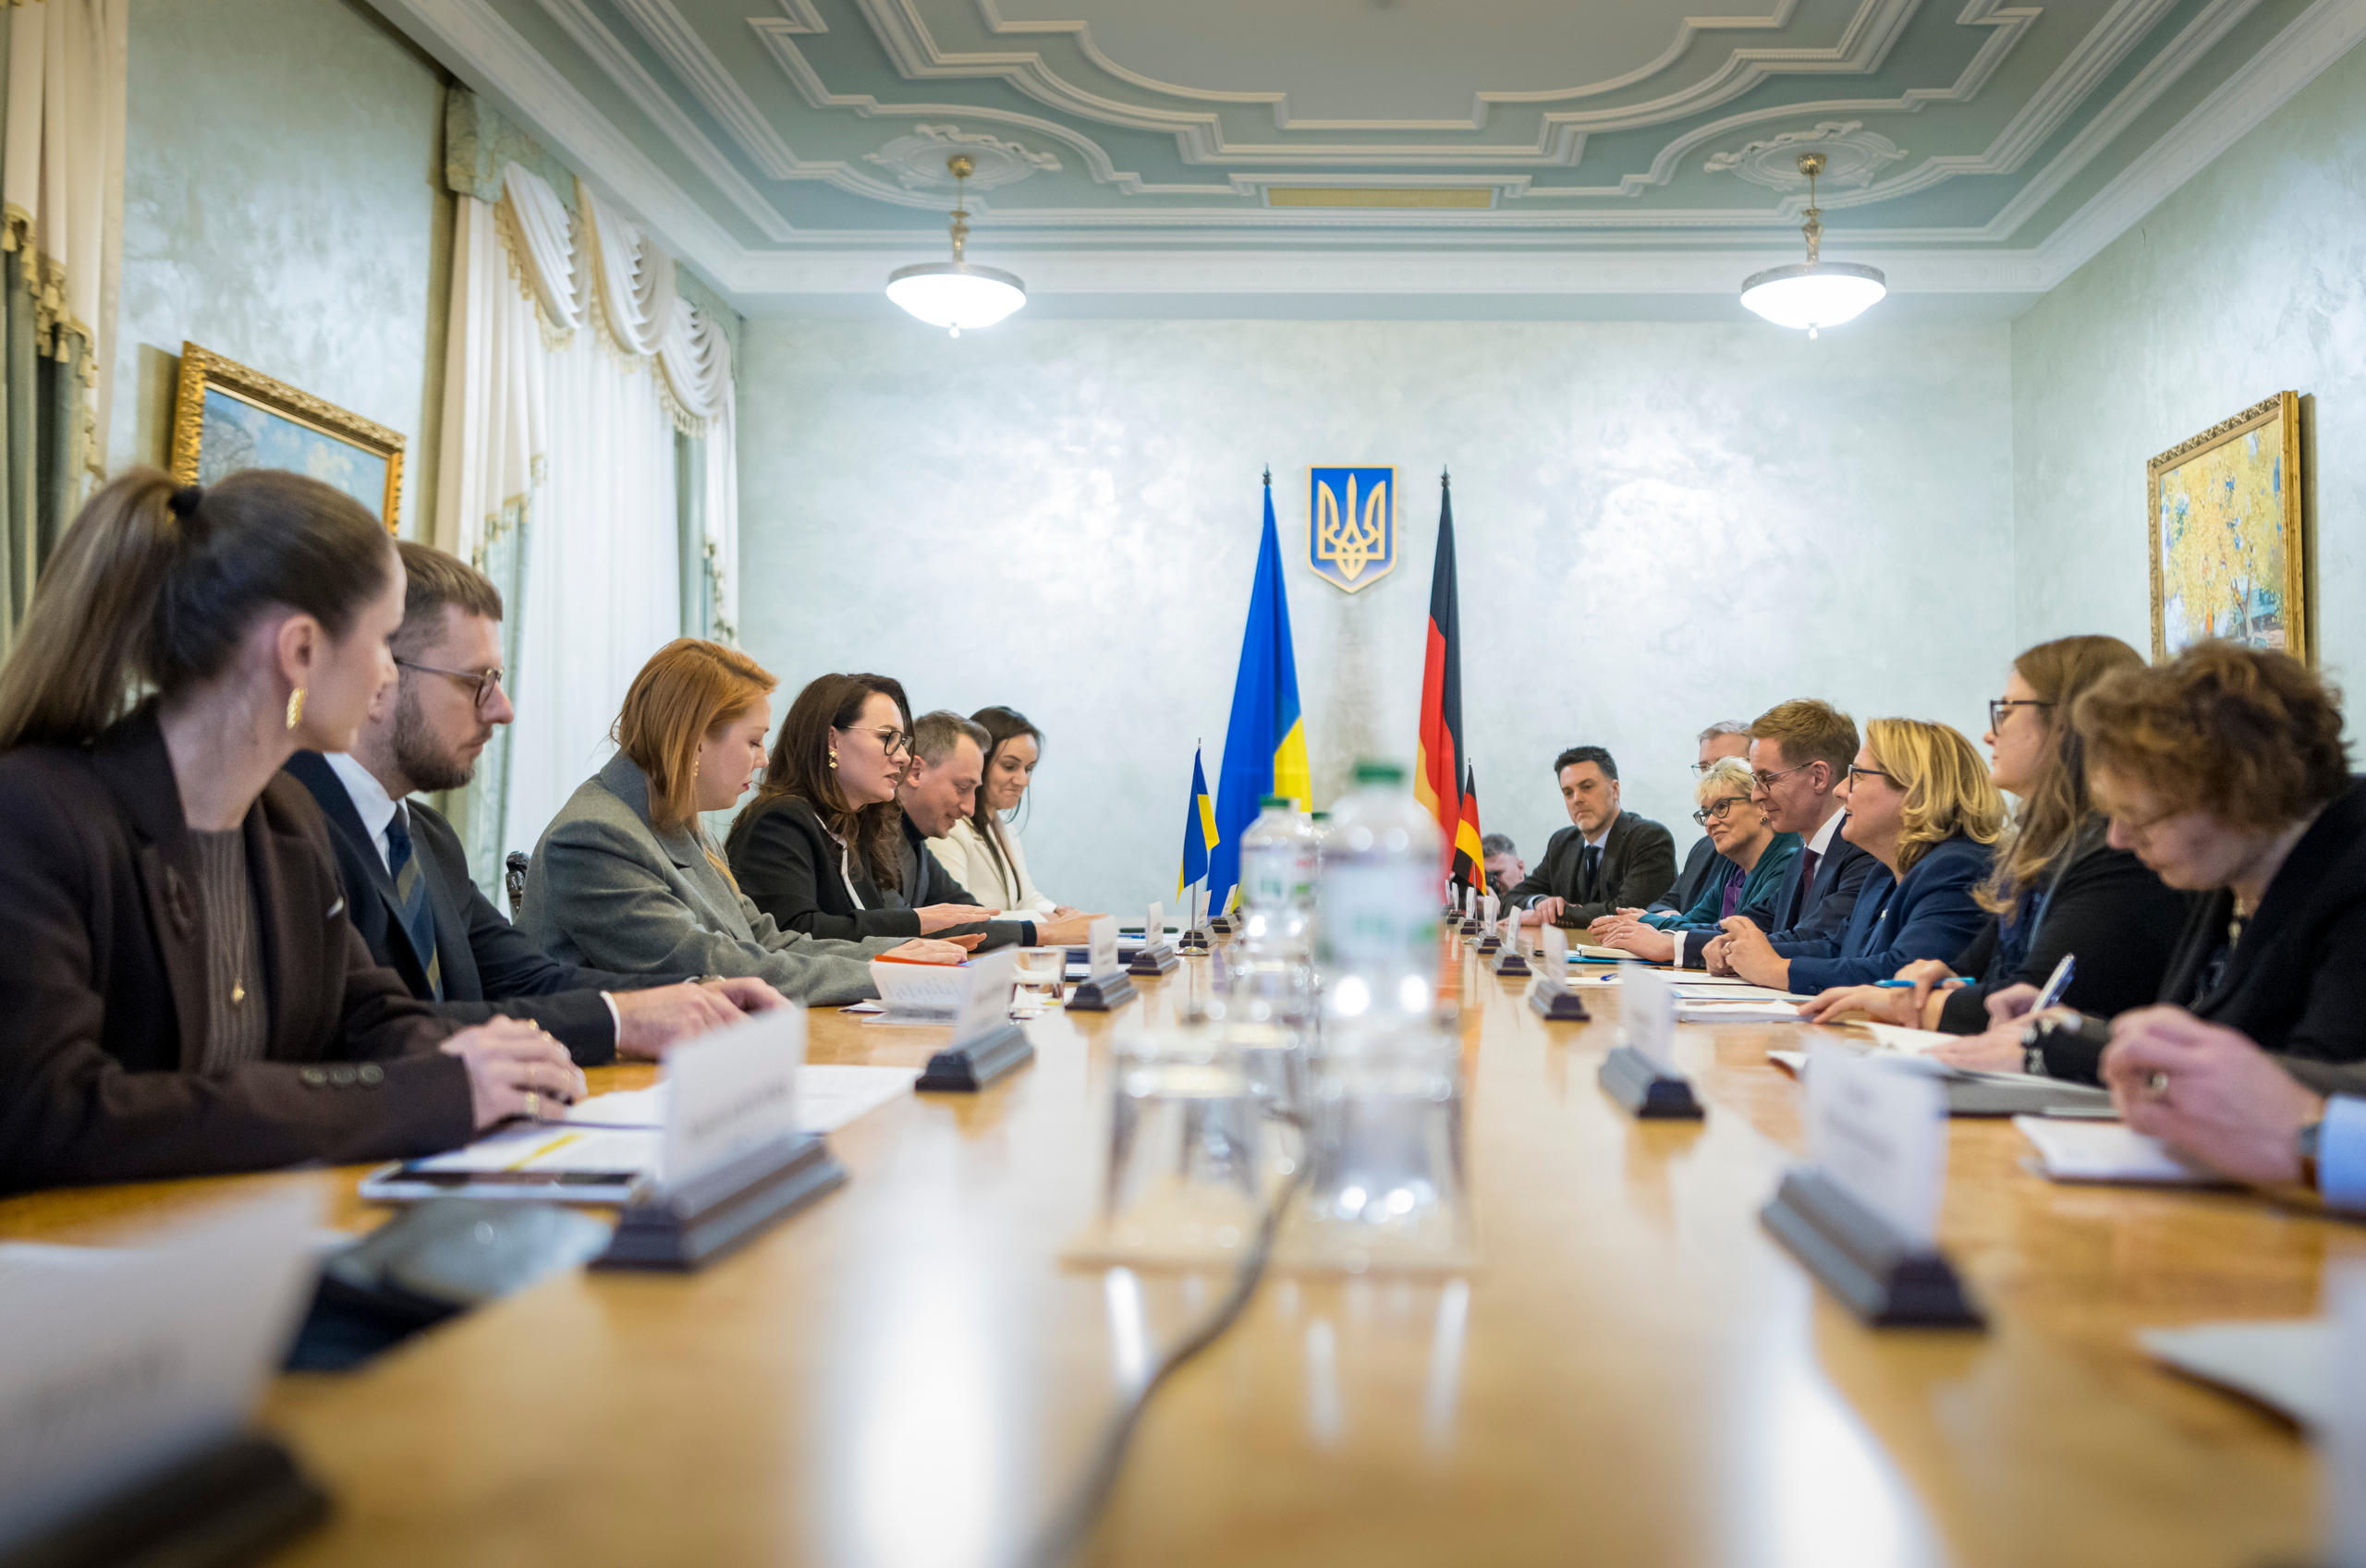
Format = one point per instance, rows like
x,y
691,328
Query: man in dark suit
x,y
1800,753
405,873
949,763
1505,869
1608,859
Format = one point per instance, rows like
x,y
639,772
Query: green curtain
x,y
41,446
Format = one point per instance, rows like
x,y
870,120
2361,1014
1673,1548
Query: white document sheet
x,y
1752,1012
829,1095
1731,990
2074,1150
1913,1042
2286,1363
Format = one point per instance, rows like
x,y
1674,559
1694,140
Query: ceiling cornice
x,y
471,38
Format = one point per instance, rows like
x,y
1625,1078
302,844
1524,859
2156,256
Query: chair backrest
x,y
514,880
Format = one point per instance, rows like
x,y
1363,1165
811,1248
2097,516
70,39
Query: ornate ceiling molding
x,y
1853,155
919,159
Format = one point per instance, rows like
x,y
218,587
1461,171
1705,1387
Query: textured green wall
x,y
284,205
2249,280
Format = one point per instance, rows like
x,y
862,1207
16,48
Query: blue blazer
x,y
1927,914
1791,913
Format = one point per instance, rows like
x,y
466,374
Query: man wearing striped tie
x,y
406,876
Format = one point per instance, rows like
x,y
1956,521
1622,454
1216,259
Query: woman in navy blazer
x,y
1920,801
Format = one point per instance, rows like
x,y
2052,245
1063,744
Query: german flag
x,y
1439,755
1470,860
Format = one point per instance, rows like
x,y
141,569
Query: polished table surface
x,y
1635,1373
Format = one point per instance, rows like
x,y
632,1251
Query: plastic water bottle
x,y
1269,968
1385,1121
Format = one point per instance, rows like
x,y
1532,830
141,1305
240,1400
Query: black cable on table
x,y
1066,1533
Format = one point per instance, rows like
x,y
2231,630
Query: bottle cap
x,y
1372,771
1270,801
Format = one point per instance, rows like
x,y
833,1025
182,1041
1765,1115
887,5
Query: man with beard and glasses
x,y
405,873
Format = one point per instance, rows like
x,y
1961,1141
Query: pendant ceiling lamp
x,y
956,294
1814,293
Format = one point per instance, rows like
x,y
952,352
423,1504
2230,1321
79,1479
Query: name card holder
x,y
1469,911
1491,938
1863,1216
236,1499
1640,1072
732,1161
1154,958
1105,988
1549,996
986,1043
1510,961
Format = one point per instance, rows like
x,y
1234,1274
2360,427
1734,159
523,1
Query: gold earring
x,y
834,756
295,707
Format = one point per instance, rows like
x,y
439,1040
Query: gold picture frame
x,y
2227,537
227,416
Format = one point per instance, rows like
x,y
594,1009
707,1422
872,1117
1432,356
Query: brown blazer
x,y
102,984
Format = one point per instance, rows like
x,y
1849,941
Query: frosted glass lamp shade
x,y
956,294
1813,294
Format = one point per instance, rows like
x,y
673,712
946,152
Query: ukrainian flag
x,y
1200,833
1264,746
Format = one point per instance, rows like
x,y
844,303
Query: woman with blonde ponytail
x,y
183,994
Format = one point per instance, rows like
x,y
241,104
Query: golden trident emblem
x,y
1353,541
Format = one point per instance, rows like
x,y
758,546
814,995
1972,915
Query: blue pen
x,y
1908,985
2056,984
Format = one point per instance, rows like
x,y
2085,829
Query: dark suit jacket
x,y
1928,913
490,966
1638,865
1799,911
2117,918
103,994
1703,865
788,865
2296,983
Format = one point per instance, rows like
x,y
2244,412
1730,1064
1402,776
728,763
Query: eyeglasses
x,y
487,682
1764,780
2000,708
1856,773
894,743
1716,809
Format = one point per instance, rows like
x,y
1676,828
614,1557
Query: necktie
x,y
1808,861
410,897
1594,870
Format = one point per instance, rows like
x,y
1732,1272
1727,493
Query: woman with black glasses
x,y
1752,860
820,848
2059,889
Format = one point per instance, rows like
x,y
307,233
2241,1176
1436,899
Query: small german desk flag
x,y
1470,860
1264,744
1200,833
1439,755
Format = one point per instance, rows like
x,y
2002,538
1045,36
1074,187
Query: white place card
x,y
731,1090
985,1003
2344,1435
1881,1134
1154,927
1487,911
1101,947
1469,900
120,1363
1647,1015
1554,943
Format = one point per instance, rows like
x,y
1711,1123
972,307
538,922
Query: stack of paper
x,y
1755,1010
2108,1152
2286,1363
1913,1042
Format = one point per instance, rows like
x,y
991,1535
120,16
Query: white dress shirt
x,y
370,802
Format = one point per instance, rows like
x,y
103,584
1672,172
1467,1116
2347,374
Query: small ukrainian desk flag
x,y
1200,833
1264,744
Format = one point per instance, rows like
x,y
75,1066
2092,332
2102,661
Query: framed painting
x,y
226,417
2228,558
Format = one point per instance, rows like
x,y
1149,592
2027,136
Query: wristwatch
x,y
2093,1032
2304,1144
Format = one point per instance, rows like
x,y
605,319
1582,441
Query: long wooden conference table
x,y
1636,1373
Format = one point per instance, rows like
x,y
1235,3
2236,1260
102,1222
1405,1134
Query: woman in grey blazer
x,y
626,878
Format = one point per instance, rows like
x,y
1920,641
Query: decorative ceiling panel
x,y
1492,127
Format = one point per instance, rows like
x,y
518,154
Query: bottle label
x,y
1379,915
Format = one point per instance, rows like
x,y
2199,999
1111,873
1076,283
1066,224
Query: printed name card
x,y
1101,947
1487,911
730,1091
985,1005
1470,902
120,1362
1647,1015
1154,927
1555,943
1880,1132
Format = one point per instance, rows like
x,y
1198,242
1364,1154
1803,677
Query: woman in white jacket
x,y
982,853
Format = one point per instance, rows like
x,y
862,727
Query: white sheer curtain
x,y
572,363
